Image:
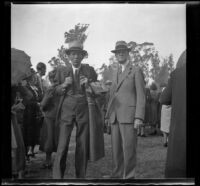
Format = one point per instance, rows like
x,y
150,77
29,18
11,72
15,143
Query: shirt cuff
x,y
139,119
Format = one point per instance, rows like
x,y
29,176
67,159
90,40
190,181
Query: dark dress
x,y
49,130
147,107
32,119
175,95
154,108
159,111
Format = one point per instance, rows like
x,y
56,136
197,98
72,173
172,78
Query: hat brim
x,y
126,49
70,50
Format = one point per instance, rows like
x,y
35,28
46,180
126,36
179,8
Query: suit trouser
x,y
82,143
124,143
81,152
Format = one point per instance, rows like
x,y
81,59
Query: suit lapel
x,y
126,72
69,70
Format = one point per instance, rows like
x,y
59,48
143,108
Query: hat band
x,y
75,48
121,47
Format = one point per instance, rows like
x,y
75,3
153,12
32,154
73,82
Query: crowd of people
x,y
45,113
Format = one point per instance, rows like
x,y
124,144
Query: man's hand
x,y
17,107
138,123
83,80
107,127
68,81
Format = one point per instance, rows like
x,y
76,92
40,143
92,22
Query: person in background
x,y
154,108
41,71
32,115
165,119
107,126
159,110
125,112
141,130
175,95
49,105
17,142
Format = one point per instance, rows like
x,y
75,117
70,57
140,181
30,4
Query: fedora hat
x,y
120,45
75,46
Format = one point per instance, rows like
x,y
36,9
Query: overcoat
x,y
49,105
175,95
96,140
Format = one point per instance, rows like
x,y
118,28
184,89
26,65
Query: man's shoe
x,y
46,166
153,133
165,144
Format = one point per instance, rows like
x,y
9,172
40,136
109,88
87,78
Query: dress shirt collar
x,y
123,66
74,68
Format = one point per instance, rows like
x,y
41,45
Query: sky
x,y
38,29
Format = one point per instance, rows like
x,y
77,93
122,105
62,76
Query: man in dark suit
x,y
73,80
126,109
175,95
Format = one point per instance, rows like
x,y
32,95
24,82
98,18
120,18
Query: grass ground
x,y
151,157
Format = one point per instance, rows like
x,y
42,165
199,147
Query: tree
x,y
163,74
170,63
105,72
166,68
55,62
62,55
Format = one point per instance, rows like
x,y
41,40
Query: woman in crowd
x,y
141,130
165,120
48,139
32,116
20,96
17,142
154,108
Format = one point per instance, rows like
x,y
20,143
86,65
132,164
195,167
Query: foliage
x,y
62,55
55,62
106,72
170,63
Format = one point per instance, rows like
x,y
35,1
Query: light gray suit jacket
x,y
127,96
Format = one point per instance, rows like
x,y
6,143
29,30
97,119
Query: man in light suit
x,y
125,112
73,80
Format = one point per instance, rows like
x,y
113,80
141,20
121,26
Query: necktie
x,y
120,69
76,80
119,73
76,75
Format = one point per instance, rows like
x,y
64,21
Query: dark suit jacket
x,y
127,99
175,95
96,141
67,71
